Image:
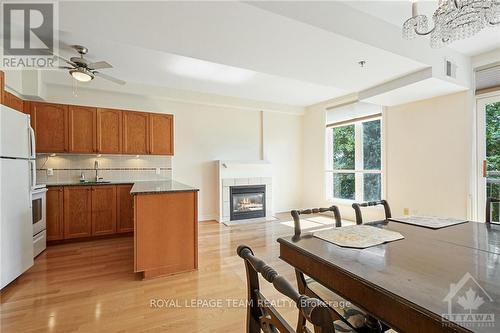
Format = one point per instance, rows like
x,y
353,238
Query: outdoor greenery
x,y
493,154
344,159
372,186
371,145
343,148
344,184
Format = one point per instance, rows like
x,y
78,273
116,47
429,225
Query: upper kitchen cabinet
x,y
82,129
50,122
13,101
161,130
136,133
109,131
2,86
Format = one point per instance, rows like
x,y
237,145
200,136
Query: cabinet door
x,y
109,131
50,122
136,133
82,129
54,214
77,211
2,86
103,210
161,138
124,208
13,101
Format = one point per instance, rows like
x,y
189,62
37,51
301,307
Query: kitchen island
x,y
165,228
162,215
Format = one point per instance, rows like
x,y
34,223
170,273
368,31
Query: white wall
x,y
206,133
283,141
428,150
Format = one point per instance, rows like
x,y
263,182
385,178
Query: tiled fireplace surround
x,y
67,168
236,173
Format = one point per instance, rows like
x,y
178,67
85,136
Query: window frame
x,y
358,170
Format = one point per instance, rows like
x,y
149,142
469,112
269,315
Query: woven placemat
x,y
358,236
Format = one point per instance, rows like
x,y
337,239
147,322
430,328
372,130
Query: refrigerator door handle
x,y
33,173
30,186
32,142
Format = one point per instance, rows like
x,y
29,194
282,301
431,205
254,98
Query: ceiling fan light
x,y
81,74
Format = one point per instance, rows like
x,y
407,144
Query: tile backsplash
x,y
67,168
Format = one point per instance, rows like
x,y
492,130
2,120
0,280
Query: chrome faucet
x,y
96,167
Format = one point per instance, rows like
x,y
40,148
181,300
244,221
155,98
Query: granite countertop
x,y
77,183
151,187
140,187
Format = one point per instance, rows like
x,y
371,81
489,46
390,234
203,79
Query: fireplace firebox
x,y
247,202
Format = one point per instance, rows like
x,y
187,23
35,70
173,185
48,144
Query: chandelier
x,y
453,20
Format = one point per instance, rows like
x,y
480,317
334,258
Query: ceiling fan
x,y
83,70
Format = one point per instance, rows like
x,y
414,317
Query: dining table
x,y
432,280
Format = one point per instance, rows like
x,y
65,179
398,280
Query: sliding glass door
x,y
488,112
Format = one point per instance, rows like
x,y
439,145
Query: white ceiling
x,y
397,12
245,50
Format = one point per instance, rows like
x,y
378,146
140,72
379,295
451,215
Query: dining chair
x,y
357,209
342,309
296,216
262,315
489,201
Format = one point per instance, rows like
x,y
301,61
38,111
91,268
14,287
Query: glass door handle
x,y
485,168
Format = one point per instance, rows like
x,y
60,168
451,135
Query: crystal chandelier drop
x,y
453,20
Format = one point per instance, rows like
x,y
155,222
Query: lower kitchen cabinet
x,y
54,215
124,208
77,211
86,211
103,210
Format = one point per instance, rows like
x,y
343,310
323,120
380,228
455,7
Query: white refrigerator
x,y
17,160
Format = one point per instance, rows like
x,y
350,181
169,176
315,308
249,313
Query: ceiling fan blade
x,y
60,58
65,60
65,67
99,65
109,78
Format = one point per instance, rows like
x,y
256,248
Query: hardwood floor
x,y
90,286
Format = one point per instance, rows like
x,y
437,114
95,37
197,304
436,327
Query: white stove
x,y
38,209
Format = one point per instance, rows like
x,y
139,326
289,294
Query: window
x,y
354,168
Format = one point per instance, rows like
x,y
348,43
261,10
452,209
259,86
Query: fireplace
x,y
247,202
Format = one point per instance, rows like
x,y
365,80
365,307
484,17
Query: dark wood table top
x,y
418,270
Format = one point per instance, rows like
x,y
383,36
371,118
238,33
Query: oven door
x,y
38,211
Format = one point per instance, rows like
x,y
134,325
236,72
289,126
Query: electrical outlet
x,y
406,211
50,172
157,171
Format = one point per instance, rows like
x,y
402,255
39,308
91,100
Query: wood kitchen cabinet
x,y
77,211
166,242
13,101
109,131
54,213
124,209
82,129
161,134
136,133
2,86
50,122
103,210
